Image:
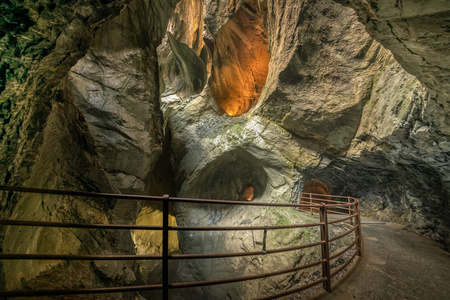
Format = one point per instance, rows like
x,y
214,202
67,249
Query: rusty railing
x,y
323,205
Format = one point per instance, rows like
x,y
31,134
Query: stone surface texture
x,y
352,117
416,31
67,123
240,59
129,97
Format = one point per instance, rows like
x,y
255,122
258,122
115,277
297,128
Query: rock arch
x,y
228,176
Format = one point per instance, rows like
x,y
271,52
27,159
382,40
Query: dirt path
x,y
396,264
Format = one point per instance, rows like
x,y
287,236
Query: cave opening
x,y
317,187
235,175
241,59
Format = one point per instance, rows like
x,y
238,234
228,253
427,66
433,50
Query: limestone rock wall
x,y
81,110
217,156
240,59
321,71
355,119
397,134
417,34
36,56
68,126
328,83
115,88
183,57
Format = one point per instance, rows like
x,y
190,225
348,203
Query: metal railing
x,y
323,205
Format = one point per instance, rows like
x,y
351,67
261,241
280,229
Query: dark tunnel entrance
x,y
319,191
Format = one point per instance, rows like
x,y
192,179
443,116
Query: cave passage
x,y
241,60
315,186
235,175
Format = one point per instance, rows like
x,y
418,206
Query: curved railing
x,y
325,206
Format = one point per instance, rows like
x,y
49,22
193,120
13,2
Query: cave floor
x,y
396,264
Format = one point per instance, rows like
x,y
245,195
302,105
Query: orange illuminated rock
x,y
248,193
240,61
315,186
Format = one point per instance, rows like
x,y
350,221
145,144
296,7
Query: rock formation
x,y
240,59
205,99
328,82
53,137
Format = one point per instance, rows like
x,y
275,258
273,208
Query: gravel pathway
x,y
396,264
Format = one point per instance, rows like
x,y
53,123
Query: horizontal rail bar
x,y
152,287
295,247
247,203
241,254
340,206
341,220
343,251
78,257
78,225
337,212
80,194
334,196
295,290
149,257
231,228
146,227
148,198
151,198
216,255
59,292
342,235
244,278
344,265
322,200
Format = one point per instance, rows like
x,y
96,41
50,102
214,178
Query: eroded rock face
x,y
306,94
115,88
67,132
321,71
40,134
358,120
82,113
408,149
218,156
240,60
417,34
183,57
49,42
232,50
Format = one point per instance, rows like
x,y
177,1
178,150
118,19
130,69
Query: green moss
x,y
281,217
305,235
283,221
236,127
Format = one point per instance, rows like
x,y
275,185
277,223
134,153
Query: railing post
x,y
165,248
358,229
326,271
265,240
350,211
310,203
